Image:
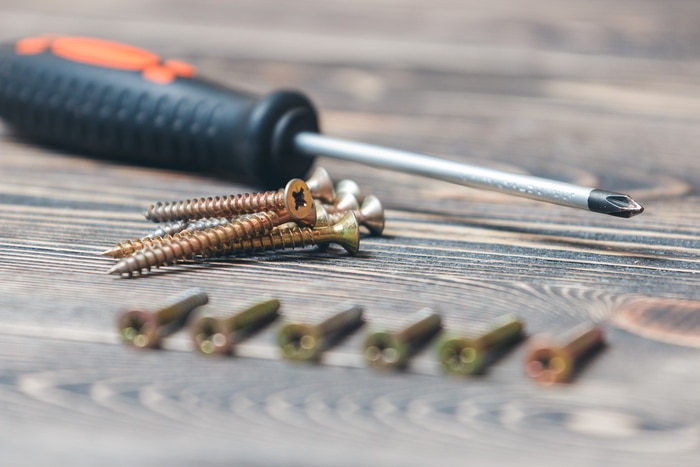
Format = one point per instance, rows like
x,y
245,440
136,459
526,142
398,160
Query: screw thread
x,y
219,206
198,242
342,321
583,341
257,313
284,237
180,305
169,228
424,325
501,334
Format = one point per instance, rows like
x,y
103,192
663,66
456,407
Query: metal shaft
x,y
540,189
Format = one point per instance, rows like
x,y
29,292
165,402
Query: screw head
x,y
298,201
140,329
548,364
299,341
461,356
383,351
210,336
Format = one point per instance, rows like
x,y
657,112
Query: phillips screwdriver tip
x,y
614,204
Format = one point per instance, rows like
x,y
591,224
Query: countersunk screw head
x,y
549,361
348,186
321,185
298,201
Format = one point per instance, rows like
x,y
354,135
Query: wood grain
x,y
597,93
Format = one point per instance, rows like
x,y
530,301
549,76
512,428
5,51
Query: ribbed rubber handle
x,y
111,100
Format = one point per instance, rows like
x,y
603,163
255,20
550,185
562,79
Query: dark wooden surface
x,y
595,92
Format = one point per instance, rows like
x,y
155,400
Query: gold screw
x,y
300,341
467,355
212,335
295,196
321,185
349,186
549,361
370,215
145,329
392,350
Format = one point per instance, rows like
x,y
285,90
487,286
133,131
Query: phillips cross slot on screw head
x,y
208,127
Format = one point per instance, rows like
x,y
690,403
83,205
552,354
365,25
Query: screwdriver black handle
x,y
115,101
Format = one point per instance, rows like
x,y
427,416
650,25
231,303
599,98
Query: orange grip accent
x,y
109,54
104,53
32,45
159,74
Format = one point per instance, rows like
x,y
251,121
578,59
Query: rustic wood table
x,y
599,93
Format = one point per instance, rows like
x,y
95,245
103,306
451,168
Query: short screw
x,y
295,198
392,350
212,335
215,239
370,215
299,341
321,185
550,361
470,355
145,329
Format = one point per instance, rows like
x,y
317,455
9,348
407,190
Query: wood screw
x,y
306,342
392,350
470,355
550,361
144,329
212,335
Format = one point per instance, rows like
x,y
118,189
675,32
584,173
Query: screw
x,y
549,361
466,356
295,198
300,341
238,237
370,215
349,186
212,335
145,329
321,185
387,349
344,202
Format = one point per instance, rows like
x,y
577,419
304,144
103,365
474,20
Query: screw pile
x,y
300,215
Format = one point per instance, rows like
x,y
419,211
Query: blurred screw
x,y
212,335
145,329
549,361
343,202
387,349
300,341
348,186
370,215
466,355
321,185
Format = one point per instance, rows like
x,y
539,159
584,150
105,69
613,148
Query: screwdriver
x,y
107,99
